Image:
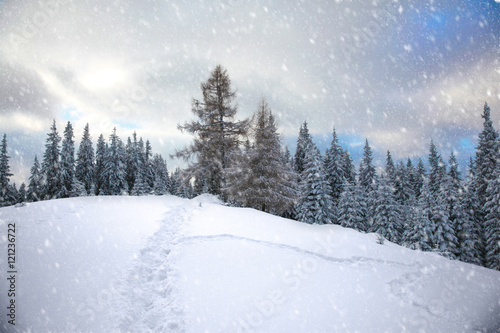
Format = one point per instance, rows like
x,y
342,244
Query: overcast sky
x,y
396,72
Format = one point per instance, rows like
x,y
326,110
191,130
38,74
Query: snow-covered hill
x,y
165,264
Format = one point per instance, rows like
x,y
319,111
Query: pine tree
x,y
444,236
484,172
352,208
437,172
452,199
114,167
51,168
261,179
100,180
390,169
492,222
161,177
402,186
34,192
367,175
148,170
131,161
140,186
4,174
67,162
84,171
315,205
21,193
12,195
303,141
368,182
421,234
467,228
349,168
421,175
487,156
387,217
216,132
334,168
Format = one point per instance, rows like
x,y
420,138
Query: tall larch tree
x,y
216,133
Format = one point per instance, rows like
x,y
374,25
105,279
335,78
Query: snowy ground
x,y
165,264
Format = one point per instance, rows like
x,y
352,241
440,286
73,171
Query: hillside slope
x,y
165,264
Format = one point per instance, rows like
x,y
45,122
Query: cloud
x,y
395,73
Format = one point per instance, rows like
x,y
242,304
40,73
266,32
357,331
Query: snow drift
x,y
165,264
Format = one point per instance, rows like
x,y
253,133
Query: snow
x,y
165,264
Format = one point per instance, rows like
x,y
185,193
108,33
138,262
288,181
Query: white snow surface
x,y
166,264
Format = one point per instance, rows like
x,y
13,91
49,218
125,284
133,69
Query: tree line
x,y
244,163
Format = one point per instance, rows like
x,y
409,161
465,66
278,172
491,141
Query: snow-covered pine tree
x,y
303,141
21,193
176,183
143,166
216,132
387,217
51,168
421,233
487,156
161,177
492,221
315,205
78,189
368,182
67,162
390,169
131,161
114,167
437,170
140,186
467,227
411,175
421,175
349,168
367,175
34,191
12,195
486,162
84,170
444,234
451,195
148,172
352,207
4,174
261,179
334,168
100,180
402,186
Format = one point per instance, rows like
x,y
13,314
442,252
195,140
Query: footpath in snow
x,y
165,264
